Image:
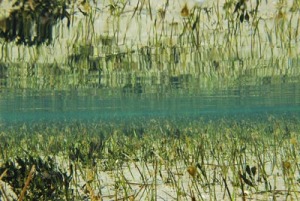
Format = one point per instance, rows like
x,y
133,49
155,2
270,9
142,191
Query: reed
x,y
203,34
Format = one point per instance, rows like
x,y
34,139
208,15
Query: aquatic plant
x,y
44,179
215,40
25,16
220,159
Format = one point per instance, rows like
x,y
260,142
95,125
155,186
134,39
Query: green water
x,y
281,99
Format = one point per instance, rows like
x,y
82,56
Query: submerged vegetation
x,y
154,159
139,47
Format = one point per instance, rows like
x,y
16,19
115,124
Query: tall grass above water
x,y
146,38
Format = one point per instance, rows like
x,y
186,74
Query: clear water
x,y
113,105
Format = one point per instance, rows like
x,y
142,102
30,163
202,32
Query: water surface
x,y
113,105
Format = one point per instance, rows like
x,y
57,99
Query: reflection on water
x,y
134,101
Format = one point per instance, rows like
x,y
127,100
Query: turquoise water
x,y
113,105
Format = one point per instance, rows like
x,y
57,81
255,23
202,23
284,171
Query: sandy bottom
x,y
218,160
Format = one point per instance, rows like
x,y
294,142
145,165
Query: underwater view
x,y
149,100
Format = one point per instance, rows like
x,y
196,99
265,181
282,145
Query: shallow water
x,y
106,104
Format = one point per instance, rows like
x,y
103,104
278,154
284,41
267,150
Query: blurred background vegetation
x,y
140,45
